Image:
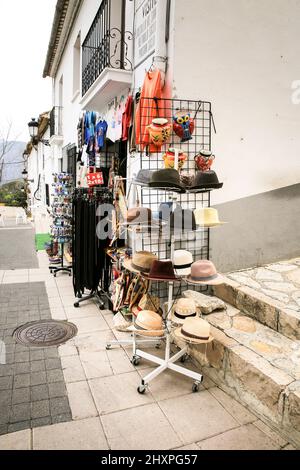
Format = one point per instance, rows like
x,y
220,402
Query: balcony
x,y
56,131
106,56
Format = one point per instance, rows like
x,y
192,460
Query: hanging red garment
x,y
148,109
127,118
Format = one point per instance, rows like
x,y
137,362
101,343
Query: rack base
x,y
165,364
97,295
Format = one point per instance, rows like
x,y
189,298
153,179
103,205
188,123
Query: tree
x,y
6,144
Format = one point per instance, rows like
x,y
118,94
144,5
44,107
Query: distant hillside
x,y
13,172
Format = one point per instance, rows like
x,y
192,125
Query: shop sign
x,y
145,30
95,179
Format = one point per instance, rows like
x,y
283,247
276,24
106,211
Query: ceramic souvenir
x,y
204,160
183,125
169,158
159,131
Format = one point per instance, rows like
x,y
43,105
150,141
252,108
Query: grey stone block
x,y
22,357
21,395
51,353
20,412
39,392
38,378
55,375
22,368
6,383
59,406
38,422
36,354
6,370
53,364
37,366
22,380
57,389
63,418
14,427
5,397
40,409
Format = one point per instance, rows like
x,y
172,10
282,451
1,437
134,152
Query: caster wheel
x,y
157,346
101,307
141,389
70,275
76,305
183,359
55,275
135,361
108,347
195,387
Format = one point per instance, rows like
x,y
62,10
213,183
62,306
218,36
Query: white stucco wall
x,y
243,55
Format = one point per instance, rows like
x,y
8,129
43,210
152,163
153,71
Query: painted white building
x,y
241,55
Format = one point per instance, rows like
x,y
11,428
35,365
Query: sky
x,y
25,27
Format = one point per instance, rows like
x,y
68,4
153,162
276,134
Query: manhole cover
x,y
45,333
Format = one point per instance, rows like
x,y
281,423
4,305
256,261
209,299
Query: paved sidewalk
x,y
106,410
17,249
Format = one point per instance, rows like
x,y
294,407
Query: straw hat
x,y
147,302
148,323
182,261
194,330
207,217
141,262
184,308
203,272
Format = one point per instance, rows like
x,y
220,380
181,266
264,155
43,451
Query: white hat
x,y
184,308
182,261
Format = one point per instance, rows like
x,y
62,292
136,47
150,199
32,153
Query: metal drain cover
x,y
45,333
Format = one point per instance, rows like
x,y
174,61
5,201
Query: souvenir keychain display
x,y
61,229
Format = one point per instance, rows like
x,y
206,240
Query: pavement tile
x,y
17,441
20,426
118,392
51,353
20,412
140,428
72,369
40,409
246,437
38,378
22,356
67,350
86,434
273,435
55,375
90,324
36,354
81,401
22,368
62,418
95,364
59,406
239,412
22,380
39,392
37,366
197,416
53,363
119,362
38,422
57,389
21,395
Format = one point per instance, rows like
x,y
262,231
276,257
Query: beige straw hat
x,y
184,308
141,262
148,323
194,330
207,217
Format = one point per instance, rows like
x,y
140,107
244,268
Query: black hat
x,y
167,178
183,219
206,180
143,177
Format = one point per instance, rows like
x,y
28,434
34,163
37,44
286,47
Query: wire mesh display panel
x,y
190,126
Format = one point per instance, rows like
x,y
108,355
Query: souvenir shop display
x,y
175,186
61,228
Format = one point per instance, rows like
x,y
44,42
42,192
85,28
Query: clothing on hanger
x,y
127,118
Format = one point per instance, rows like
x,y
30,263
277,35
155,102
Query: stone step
x,y
257,366
276,315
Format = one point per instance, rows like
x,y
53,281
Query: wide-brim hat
x,y
141,262
143,177
148,323
208,217
167,178
183,309
139,216
182,260
206,180
203,272
162,270
194,330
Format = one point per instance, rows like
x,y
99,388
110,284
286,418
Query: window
x,y
76,66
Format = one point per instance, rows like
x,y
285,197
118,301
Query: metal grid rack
x,y
198,243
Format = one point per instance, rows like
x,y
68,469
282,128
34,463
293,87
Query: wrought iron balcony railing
x,y
56,121
106,45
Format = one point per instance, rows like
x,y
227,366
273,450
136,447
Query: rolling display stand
x,y
56,269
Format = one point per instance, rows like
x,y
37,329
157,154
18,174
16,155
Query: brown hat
x,y
139,215
204,272
141,262
148,323
147,302
162,271
194,330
